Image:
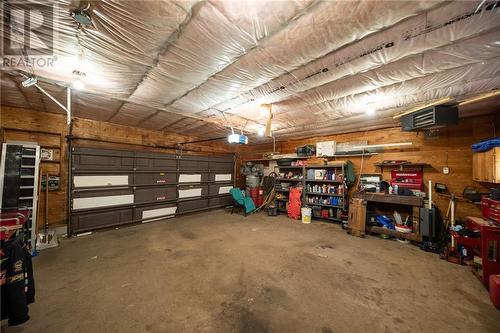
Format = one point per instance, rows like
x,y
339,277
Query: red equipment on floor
x,y
495,290
294,203
257,195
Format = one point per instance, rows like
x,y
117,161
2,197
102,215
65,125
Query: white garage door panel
x,y
189,178
96,202
194,192
158,212
224,189
91,181
223,177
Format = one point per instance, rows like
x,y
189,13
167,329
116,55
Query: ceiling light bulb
x,y
261,131
264,111
78,85
370,110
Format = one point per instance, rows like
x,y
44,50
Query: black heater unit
x,y
431,117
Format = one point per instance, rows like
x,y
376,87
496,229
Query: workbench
x,y
358,208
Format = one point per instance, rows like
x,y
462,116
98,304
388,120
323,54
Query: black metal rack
x,y
303,180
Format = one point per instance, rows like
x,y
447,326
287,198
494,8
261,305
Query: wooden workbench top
x,y
481,221
390,198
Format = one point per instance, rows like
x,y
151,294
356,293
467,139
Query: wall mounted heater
x,y
431,117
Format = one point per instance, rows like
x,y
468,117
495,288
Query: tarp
x,y
175,65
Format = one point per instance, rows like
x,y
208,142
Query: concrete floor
x,y
216,272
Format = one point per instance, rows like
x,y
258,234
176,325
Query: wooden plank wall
x,y
451,148
50,130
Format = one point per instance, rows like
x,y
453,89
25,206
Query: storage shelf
x,y
327,218
308,157
325,166
290,167
323,205
289,180
323,181
325,194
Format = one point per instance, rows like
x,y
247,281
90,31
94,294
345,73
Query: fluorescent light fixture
x,y
370,110
78,84
261,131
398,144
29,82
237,138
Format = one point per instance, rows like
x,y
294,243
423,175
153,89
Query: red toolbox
x,y
490,209
407,179
486,250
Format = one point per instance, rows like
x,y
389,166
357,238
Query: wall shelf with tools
x,y
325,191
289,176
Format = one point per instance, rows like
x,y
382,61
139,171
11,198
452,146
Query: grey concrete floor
x,y
216,272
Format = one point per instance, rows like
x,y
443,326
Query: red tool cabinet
x,y
486,250
490,209
409,179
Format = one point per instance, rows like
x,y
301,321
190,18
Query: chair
x,y
240,201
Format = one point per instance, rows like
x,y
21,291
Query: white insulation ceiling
x,y
177,65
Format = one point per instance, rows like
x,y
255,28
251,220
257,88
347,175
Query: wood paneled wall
x,y
50,131
451,148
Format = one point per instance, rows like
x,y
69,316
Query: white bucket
x,y
306,214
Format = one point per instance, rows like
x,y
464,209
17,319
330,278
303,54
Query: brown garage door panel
x,y
158,178
223,165
96,162
163,164
193,164
155,194
220,201
192,205
96,220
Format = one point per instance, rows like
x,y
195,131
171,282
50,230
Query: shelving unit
x,y
336,185
330,194
298,171
19,171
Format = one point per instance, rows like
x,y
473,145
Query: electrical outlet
x,y
446,170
